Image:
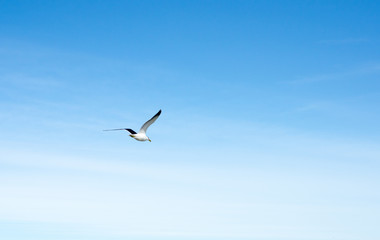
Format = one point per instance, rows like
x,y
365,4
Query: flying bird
x,y
141,135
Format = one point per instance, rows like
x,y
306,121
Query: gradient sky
x,y
269,127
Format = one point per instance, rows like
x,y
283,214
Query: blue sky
x,y
269,127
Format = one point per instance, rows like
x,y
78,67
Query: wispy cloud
x,y
367,69
310,106
22,81
344,41
145,199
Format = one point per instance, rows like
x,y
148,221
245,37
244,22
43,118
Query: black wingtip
x,y
157,114
131,131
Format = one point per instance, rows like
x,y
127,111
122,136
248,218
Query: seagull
x,y
141,135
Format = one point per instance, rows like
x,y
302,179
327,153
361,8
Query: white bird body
x,y
141,135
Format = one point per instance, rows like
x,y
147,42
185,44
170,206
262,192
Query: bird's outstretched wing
x,y
149,122
127,129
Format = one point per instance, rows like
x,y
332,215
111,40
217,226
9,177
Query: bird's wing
x,y
127,129
149,122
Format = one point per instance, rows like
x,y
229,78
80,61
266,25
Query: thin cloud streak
x,y
344,41
359,71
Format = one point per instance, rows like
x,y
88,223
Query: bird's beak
x,y
149,140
